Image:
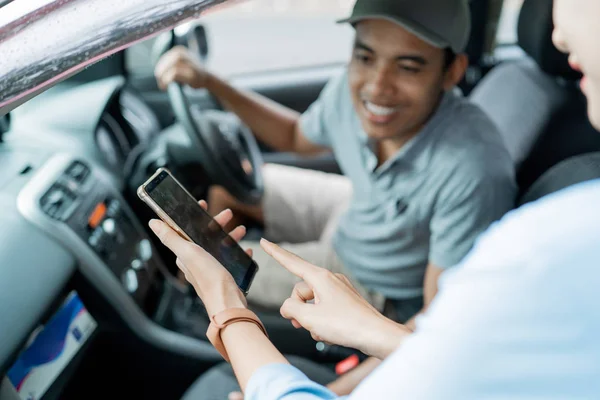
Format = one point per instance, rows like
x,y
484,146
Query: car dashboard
x,y
76,262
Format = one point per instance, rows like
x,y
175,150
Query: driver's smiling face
x,y
396,79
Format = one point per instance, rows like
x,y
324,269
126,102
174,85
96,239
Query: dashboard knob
x,y
109,226
137,264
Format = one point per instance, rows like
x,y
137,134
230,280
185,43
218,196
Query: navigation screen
x,y
50,349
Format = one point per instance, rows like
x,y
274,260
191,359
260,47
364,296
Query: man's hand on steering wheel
x,y
180,65
224,146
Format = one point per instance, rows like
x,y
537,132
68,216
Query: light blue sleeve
x,y
283,381
321,118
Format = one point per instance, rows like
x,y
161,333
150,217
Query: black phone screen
x,y
202,228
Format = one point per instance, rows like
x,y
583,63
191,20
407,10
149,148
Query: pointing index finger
x,y
296,265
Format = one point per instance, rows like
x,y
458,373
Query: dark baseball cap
x,y
442,23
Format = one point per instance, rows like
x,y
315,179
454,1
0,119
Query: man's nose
x,y
380,82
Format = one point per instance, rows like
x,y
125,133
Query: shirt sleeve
x,y
467,205
283,381
316,122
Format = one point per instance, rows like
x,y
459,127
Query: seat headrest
x,y
535,38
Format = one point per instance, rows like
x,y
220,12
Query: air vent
x,y
78,172
58,202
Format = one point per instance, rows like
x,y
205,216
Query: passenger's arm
x,y
275,125
345,384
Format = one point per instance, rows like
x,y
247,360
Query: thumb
x,y
178,245
296,310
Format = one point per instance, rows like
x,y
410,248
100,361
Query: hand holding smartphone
x,y
180,210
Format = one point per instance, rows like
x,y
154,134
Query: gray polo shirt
x,y
427,204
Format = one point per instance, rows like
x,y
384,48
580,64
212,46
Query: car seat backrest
x,y
521,96
569,172
539,109
519,99
568,133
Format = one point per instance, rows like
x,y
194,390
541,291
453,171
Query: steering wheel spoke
x,y
227,149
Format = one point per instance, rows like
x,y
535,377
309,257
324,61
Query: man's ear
x,y
456,71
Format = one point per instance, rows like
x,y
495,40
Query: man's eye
x,y
362,58
408,68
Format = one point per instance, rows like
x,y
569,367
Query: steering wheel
x,y
226,148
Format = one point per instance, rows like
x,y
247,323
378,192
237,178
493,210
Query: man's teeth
x,y
380,110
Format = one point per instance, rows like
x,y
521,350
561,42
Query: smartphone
x,y
180,210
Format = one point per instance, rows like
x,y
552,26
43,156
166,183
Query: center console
x,y
82,202
77,204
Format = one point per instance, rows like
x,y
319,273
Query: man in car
x,y
425,172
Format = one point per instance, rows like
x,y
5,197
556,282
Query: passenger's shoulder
x,y
579,199
569,216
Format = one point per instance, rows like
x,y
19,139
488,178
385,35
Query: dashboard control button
x,y
95,238
145,250
109,226
137,264
113,208
130,281
93,241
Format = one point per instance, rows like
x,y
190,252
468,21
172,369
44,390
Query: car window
x,y
507,25
267,35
